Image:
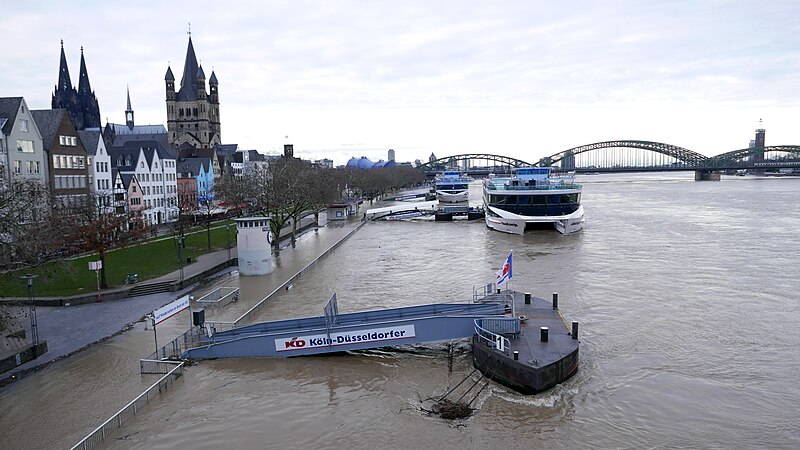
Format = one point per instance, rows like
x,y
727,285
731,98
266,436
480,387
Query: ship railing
x,y
99,435
491,339
551,187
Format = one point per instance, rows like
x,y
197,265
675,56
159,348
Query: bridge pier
x,y
706,175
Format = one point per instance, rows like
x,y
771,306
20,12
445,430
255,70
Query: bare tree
x,y
28,234
97,229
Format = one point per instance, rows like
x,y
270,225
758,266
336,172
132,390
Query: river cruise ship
x,y
451,187
533,197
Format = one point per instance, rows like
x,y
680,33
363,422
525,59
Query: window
x,y
24,146
56,162
17,167
23,125
33,167
133,188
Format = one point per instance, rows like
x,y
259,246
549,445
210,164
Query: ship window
x,y
537,200
553,199
567,198
511,200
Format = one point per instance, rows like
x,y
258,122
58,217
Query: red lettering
x,y
295,343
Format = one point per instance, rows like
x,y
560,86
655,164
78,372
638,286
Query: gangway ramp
x,y
336,332
404,207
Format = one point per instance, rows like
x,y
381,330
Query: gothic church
x,y
192,113
81,103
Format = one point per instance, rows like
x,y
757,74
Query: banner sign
x,y
95,265
346,337
164,313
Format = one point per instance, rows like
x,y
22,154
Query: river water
x,y
686,292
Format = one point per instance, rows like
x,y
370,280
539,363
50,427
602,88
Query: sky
x,y
340,79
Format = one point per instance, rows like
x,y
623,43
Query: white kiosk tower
x,y
253,245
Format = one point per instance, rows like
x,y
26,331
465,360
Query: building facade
x,y
154,167
192,112
21,147
68,174
99,164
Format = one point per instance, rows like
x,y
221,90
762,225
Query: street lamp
x,y
180,257
228,235
34,327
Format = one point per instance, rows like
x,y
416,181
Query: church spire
x,y
83,78
64,83
129,112
188,90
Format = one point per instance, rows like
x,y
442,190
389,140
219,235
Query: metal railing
x,y
98,436
174,349
498,341
501,325
550,187
218,297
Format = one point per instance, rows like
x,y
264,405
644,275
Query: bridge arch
x,y
727,159
683,155
448,161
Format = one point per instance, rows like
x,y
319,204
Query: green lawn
x,y
150,259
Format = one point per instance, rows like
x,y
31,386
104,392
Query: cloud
x,y
528,77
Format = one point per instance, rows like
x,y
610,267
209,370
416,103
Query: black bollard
x,y
545,333
555,300
574,330
498,290
527,298
516,355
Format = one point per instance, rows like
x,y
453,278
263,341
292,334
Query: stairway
x,y
151,288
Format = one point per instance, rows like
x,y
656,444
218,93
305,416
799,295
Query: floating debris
x,y
452,410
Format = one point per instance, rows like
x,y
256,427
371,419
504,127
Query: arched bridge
x,y
627,156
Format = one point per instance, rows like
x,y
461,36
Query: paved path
x,y
70,329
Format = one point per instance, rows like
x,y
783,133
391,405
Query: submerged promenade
x,y
70,329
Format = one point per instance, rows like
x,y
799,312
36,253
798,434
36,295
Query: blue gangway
x,y
334,332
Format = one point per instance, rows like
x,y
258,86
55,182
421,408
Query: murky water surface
x,y
687,294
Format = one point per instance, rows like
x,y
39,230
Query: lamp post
x,y
180,257
228,235
32,304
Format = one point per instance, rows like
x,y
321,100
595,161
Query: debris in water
x,y
452,410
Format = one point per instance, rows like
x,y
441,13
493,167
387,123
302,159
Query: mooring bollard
x,y
527,298
545,333
574,330
498,290
516,355
555,300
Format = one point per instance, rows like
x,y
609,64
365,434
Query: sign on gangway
x,y
170,310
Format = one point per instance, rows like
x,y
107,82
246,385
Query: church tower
x,y
81,103
192,113
129,112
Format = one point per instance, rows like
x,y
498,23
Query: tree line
x,y
33,232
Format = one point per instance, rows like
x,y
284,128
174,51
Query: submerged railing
x,y
98,436
174,349
219,297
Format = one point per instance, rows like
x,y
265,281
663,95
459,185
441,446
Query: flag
x,y
504,274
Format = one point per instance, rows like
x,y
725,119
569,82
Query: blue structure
x,y
336,332
199,169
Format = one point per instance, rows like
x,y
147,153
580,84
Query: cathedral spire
x,y
64,83
83,78
129,98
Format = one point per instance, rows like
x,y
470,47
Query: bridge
x,y
628,156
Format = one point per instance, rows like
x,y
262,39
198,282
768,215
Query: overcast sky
x,y
349,78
